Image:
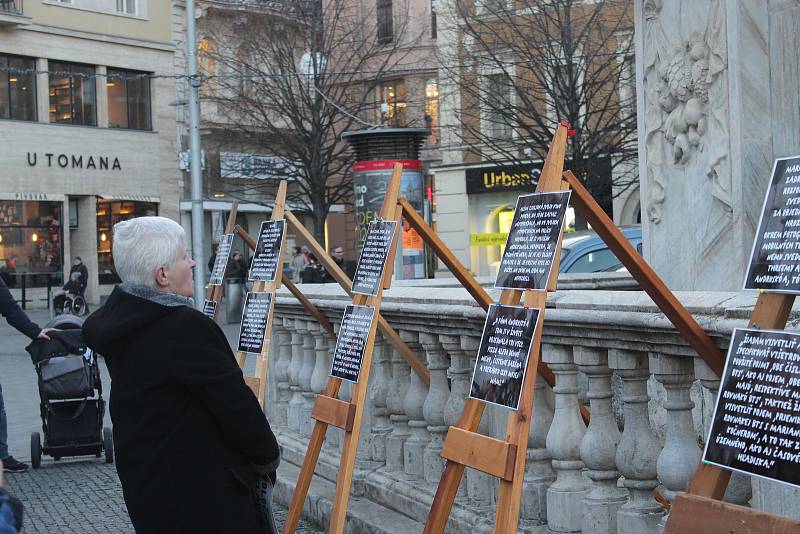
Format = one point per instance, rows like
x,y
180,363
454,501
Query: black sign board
x,y
372,260
502,358
268,251
775,261
756,426
532,241
221,263
254,321
209,308
352,340
498,178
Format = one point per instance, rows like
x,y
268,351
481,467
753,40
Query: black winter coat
x,y
14,314
187,430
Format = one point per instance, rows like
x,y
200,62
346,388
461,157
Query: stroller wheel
x,y
108,445
36,450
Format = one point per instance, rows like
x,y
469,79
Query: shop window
x,y
393,94
72,94
17,88
432,109
109,213
385,30
128,100
31,243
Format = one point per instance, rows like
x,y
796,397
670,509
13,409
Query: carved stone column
x,y
333,438
295,407
433,408
479,485
379,389
309,359
322,365
460,376
283,340
739,489
565,495
414,449
538,462
395,402
599,446
638,449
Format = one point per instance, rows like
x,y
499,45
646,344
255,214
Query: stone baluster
x,y
309,359
638,449
739,489
283,340
322,365
379,390
565,495
460,375
333,438
395,403
433,408
479,484
599,446
681,454
414,446
294,410
538,467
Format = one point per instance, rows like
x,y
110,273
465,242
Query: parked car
x,y
585,252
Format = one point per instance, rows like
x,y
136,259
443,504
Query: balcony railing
x,y
650,397
11,7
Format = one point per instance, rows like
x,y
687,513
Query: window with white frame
x,y
126,7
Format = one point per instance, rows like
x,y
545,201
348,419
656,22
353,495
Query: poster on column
x,y
209,308
221,262
352,341
268,251
372,260
775,259
254,321
532,241
502,359
756,424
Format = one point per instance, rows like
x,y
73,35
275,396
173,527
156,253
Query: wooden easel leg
x,y
445,496
304,480
710,481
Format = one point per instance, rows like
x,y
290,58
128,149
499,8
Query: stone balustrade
x,y
650,395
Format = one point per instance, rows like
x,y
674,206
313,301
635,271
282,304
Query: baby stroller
x,y
72,405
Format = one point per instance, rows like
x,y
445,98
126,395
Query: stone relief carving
x,y
686,102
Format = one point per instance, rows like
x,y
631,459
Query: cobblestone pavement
x,y
81,495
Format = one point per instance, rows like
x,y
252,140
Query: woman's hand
x,y
43,333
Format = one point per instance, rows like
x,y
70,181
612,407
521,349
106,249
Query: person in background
x,y
306,253
338,257
237,268
16,318
190,438
213,259
72,288
298,263
80,268
313,273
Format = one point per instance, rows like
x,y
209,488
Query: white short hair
x,y
144,244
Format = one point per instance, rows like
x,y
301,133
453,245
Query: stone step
x,y
363,515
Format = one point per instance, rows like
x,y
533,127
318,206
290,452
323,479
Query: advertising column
x,y
377,151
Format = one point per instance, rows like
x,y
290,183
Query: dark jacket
x,y
187,430
14,315
84,272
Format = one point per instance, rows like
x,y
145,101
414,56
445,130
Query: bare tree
x,y
524,65
291,81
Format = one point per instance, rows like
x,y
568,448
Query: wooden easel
x,y
258,382
700,510
329,410
504,459
215,292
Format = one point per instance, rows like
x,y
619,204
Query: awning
x,y
134,198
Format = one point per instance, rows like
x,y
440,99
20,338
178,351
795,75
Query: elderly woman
x,y
189,434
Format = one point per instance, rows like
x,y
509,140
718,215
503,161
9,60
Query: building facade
x,y
88,131
502,98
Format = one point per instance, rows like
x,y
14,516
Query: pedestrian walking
x,y
298,263
191,440
16,318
